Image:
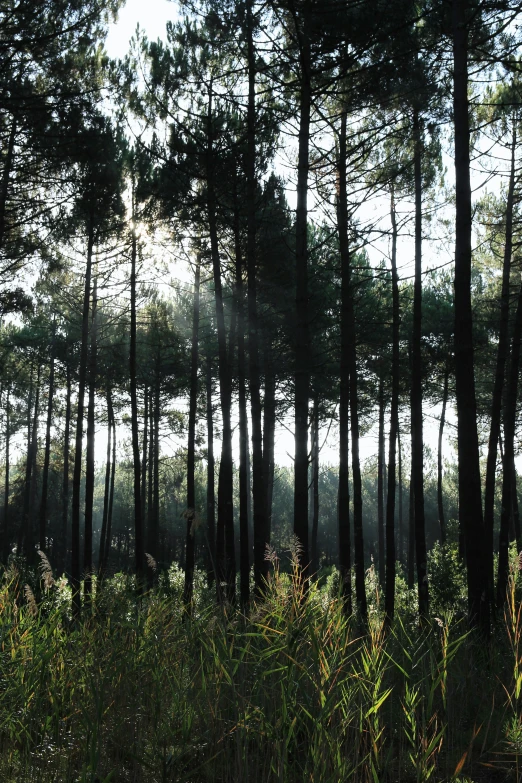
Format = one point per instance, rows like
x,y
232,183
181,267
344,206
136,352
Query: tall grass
x,y
295,692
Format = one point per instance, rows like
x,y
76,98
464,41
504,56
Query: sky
x,y
152,16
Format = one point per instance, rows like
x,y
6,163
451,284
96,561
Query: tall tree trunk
x,y
66,458
27,545
22,532
108,536
269,417
417,441
509,513
211,496
343,503
144,457
225,549
410,564
347,305
440,499
470,499
77,475
315,489
302,337
500,370
394,427
261,528
150,493
6,176
89,461
244,548
6,535
401,501
155,519
47,452
106,491
191,451
139,552
380,487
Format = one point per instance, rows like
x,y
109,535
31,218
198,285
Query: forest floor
x,y
140,692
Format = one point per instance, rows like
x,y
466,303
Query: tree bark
x,y
315,489
394,428
191,451
5,538
417,441
225,549
106,490
269,419
244,548
47,453
4,188
66,458
509,513
380,488
343,502
302,337
108,536
470,500
261,528
500,369
77,475
440,499
211,495
139,550
89,461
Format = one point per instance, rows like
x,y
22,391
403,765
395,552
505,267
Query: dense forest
x,y
285,222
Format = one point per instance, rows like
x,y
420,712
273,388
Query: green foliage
x,y
296,691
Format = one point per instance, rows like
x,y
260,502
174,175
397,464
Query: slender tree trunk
x,y
411,534
302,337
66,457
6,536
106,491
440,499
261,528
191,451
154,531
108,537
269,417
500,370
77,475
47,453
27,539
417,441
470,499
401,502
394,428
380,487
30,546
150,492
343,502
6,176
144,457
22,533
244,548
139,564
315,489
211,497
509,513
225,549
89,461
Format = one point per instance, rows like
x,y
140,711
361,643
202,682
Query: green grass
x,y
293,693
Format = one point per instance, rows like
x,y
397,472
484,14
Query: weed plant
x,y
296,691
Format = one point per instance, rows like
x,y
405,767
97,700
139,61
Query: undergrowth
x,y
294,692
